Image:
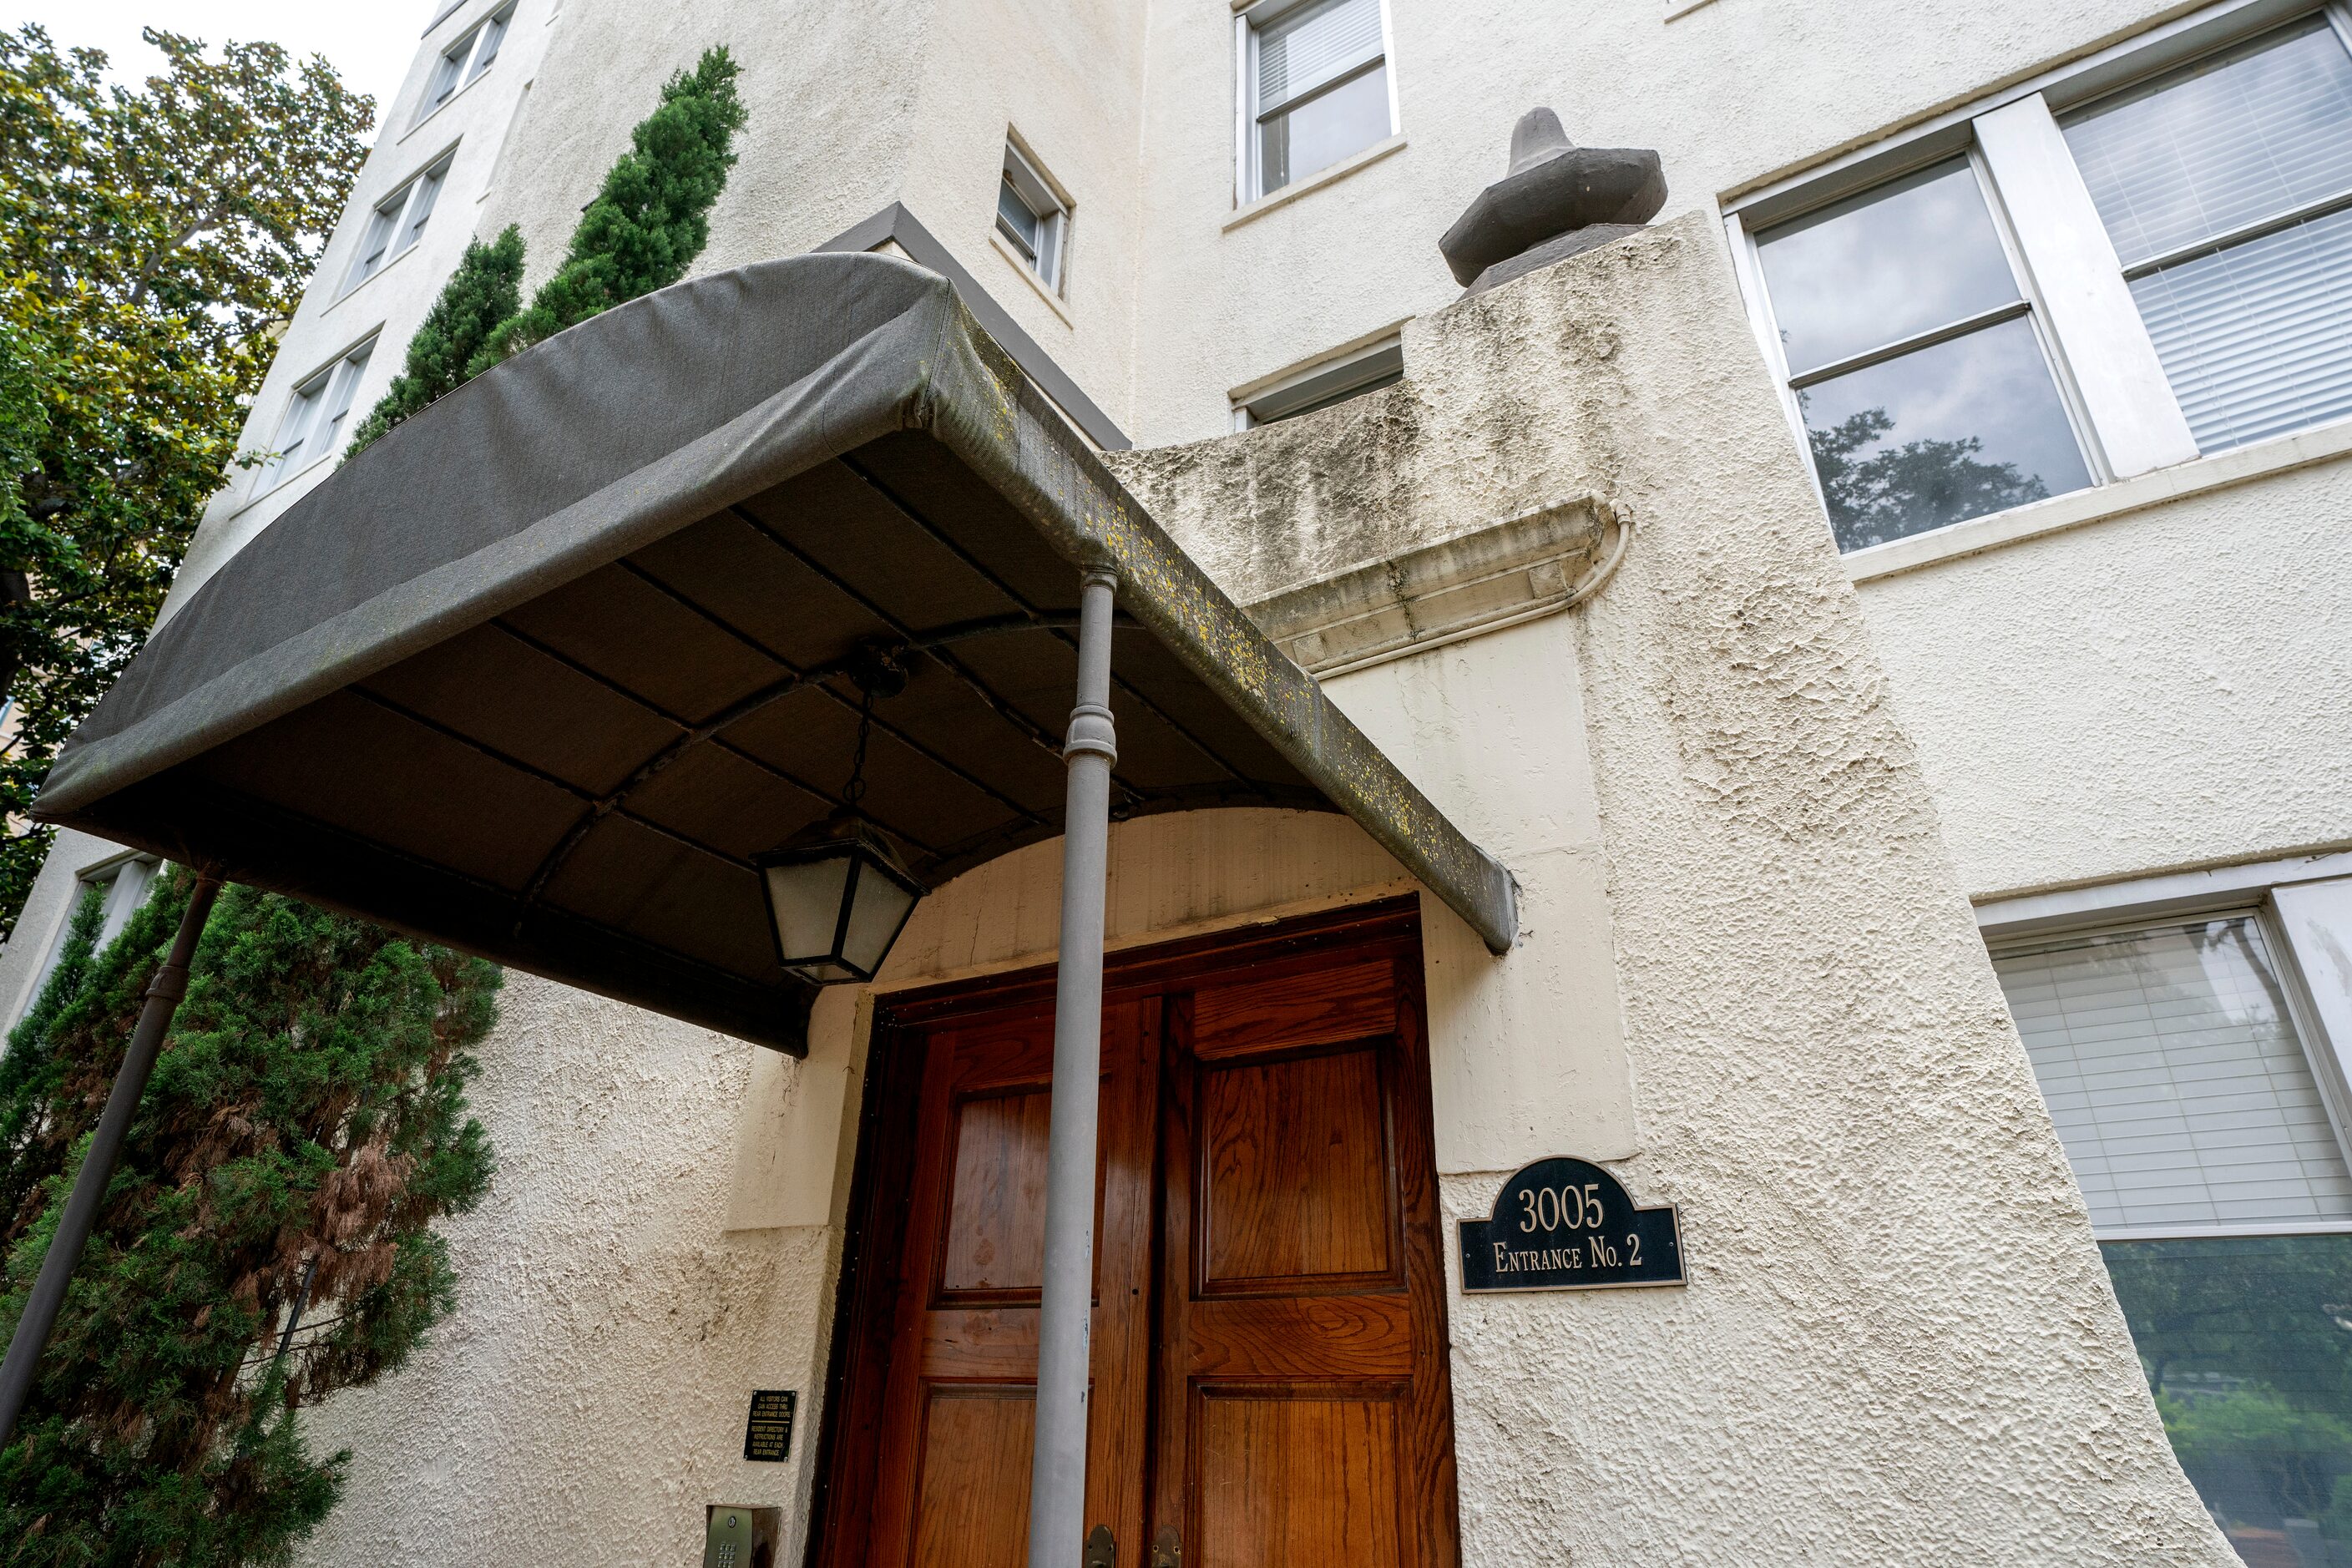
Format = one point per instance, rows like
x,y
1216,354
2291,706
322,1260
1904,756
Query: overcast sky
x,y
371,42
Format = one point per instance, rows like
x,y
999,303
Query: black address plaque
x,y
1568,1224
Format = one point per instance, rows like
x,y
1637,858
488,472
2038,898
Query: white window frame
x,y
339,376
126,879
1248,168
1330,378
2114,387
394,218
459,65
2304,911
1049,204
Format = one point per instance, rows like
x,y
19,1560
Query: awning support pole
x,y
80,1215
1057,1479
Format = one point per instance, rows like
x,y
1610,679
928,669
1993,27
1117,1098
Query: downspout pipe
x,y
80,1215
1057,1481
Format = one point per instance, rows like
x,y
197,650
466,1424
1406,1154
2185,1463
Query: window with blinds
x,y
1319,87
2172,1069
2227,189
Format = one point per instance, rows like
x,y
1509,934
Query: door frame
x,y
872,1238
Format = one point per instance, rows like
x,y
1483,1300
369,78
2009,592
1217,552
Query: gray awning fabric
x,y
538,672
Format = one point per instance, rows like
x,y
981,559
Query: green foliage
x,y
485,291
1893,492
2298,1453
652,217
152,241
305,1126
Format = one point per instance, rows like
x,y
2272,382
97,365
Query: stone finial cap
x,y
1535,138
1554,190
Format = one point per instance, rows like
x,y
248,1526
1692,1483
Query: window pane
x,y
1312,43
342,388
373,243
444,82
2171,1067
1905,260
1322,131
494,33
420,207
2257,339
293,432
1940,434
2245,135
2243,1342
1019,222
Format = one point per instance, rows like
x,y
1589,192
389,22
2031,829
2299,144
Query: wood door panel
x,y
973,1491
995,1219
1355,1336
1269,1377
1299,1475
986,1342
1310,1006
1296,1193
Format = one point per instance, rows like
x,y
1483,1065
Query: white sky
x,y
371,42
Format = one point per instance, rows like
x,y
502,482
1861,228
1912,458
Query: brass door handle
x,y
1102,1551
1167,1548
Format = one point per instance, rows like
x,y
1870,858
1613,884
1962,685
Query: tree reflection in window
x,y
2247,1343
1875,496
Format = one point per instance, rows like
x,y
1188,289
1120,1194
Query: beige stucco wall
x,y
1898,1344
2160,691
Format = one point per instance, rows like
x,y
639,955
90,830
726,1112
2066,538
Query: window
x,y
315,419
1322,384
2227,189
2070,295
1033,220
463,63
396,223
1315,88
1925,392
2194,1105
120,885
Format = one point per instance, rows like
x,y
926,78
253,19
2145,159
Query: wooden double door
x,y
1269,1351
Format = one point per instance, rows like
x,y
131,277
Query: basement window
x,y
1322,384
1033,218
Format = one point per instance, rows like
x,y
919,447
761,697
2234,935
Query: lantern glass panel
x,y
805,897
882,907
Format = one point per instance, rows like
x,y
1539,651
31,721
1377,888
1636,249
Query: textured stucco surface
x,y
2160,691
1898,1343
591,1387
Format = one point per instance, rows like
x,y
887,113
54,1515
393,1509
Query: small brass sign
x,y
1568,1224
768,1435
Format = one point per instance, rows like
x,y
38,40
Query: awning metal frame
x,y
211,674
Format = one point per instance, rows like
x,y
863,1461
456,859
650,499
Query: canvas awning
x,y
537,674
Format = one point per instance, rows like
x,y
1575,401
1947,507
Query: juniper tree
x,y
652,217
485,291
305,1126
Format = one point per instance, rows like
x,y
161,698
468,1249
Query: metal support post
x,y
80,1215
1057,1479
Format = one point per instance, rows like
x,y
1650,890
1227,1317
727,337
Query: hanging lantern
x,y
838,898
838,895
